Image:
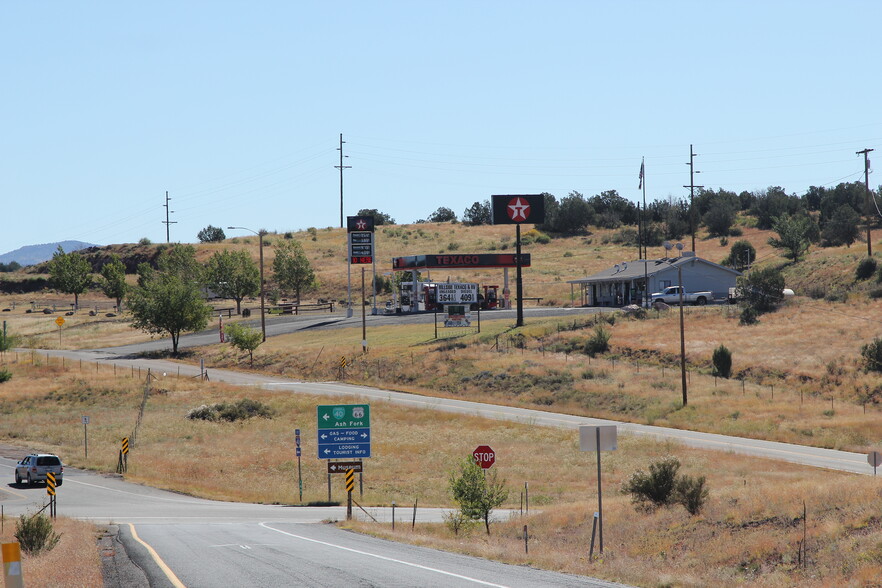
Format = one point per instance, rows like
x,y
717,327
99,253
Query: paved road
x,y
184,541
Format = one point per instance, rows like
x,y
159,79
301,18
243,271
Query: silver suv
x,y
34,468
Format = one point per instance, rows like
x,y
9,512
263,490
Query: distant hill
x,y
32,254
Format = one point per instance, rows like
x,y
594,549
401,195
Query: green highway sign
x,y
344,431
336,416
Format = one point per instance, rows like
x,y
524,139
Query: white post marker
x,y
597,439
12,574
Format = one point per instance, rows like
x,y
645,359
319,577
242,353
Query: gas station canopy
x,y
463,261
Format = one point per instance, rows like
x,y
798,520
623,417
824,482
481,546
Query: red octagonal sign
x,y
484,456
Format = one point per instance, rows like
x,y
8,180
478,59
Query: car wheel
x,y
59,482
17,479
701,301
30,481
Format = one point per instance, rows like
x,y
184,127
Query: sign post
x,y
60,322
599,438
299,476
50,490
874,458
86,434
360,233
344,432
518,209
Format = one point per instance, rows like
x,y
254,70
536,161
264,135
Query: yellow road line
x,y
165,569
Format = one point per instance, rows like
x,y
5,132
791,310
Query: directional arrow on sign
x,y
323,436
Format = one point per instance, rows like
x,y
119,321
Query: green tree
x,y
380,218
722,360
476,493
70,273
442,215
842,228
244,339
233,274
762,289
292,269
741,255
113,280
168,300
7,340
211,234
720,215
794,235
478,213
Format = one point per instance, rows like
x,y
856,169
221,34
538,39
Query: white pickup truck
x,y
671,295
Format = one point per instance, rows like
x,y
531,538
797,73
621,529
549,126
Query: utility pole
x,y
867,210
692,188
341,167
167,222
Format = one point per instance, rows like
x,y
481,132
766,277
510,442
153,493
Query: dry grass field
x,y
797,378
749,532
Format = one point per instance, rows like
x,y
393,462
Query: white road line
x,y
384,558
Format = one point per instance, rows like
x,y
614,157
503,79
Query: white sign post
x,y
597,439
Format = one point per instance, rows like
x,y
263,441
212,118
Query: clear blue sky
x,y
236,108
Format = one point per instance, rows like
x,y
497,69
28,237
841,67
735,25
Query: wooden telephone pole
x,y
692,188
867,210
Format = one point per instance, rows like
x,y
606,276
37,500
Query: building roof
x,y
637,269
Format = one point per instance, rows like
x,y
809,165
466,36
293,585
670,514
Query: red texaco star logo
x,y
361,224
518,209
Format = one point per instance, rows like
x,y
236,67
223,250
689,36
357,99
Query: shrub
x,y
5,375
598,342
35,534
872,355
237,411
722,359
662,486
748,316
692,493
865,269
654,489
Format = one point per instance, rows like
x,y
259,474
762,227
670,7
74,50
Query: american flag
x,y
641,175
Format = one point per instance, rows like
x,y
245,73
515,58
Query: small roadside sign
x,y
588,438
85,419
339,467
60,321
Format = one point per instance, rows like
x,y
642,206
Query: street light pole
x,y
260,235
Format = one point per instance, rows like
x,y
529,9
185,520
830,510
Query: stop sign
x,y
484,456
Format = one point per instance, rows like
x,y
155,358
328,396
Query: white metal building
x,y
624,283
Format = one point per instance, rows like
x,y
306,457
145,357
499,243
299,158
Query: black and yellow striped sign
x,y
50,484
342,361
350,480
125,445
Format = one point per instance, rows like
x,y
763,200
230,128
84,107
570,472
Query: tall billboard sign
x,y
518,209
361,239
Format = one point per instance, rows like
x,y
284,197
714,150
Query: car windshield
x,y
48,460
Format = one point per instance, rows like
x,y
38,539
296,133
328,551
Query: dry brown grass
x,y
74,562
748,532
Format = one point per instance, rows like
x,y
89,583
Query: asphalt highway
x,y
179,540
